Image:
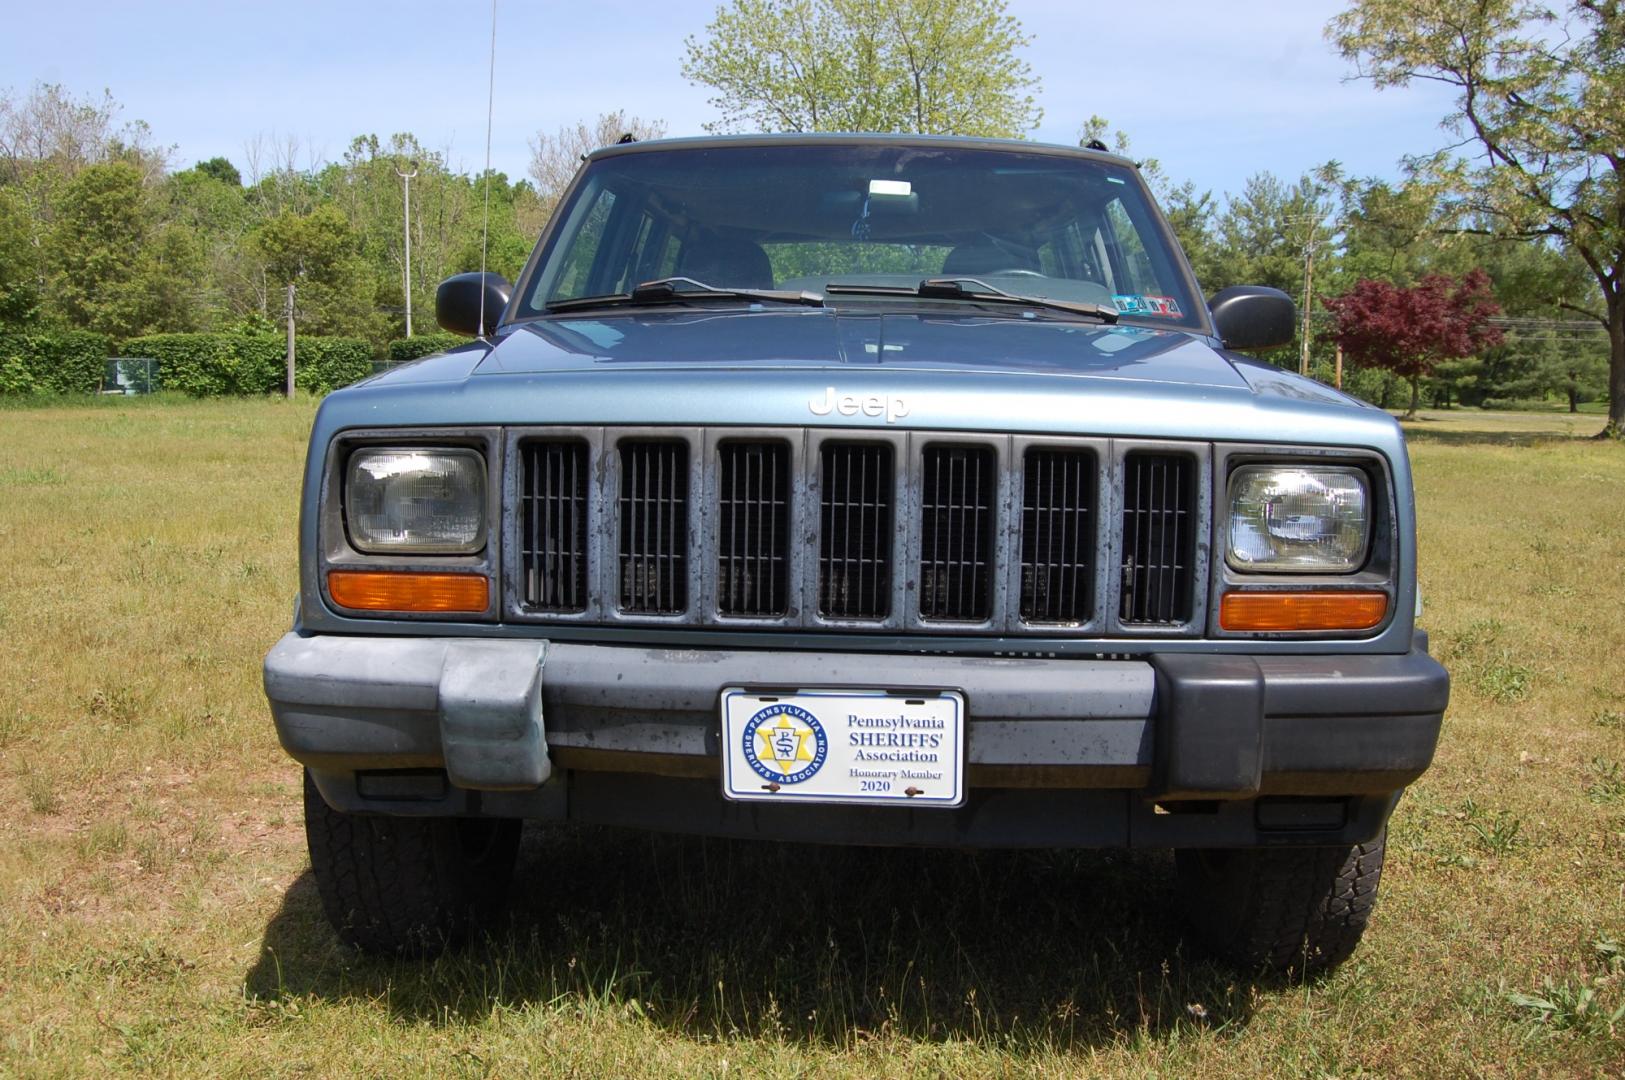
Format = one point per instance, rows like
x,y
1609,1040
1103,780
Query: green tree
x,y
1190,214
930,66
1267,229
1541,98
509,243
319,254
221,169
1394,233
19,261
94,248
116,266
1572,368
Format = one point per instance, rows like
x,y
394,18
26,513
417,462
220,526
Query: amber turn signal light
x,y
1276,611
401,590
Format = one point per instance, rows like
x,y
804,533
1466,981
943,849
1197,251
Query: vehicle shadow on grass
x,y
822,944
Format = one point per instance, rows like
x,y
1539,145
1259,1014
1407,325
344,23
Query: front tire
x,y
406,884
1281,911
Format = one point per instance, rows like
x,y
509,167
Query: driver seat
x,y
727,262
969,260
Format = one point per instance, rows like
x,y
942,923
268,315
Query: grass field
x,y
157,913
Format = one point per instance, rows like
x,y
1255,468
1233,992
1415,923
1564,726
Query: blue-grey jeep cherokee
x,y
858,489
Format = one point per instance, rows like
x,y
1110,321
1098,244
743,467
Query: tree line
x,y
101,230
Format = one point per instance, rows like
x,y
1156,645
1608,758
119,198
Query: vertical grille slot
x,y
855,538
654,527
958,489
753,529
1058,536
1159,495
553,523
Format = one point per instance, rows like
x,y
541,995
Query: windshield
x,y
805,216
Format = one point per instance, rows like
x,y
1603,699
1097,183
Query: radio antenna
x,y
485,226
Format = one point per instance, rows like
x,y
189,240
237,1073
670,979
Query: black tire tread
x,y
1282,910
402,884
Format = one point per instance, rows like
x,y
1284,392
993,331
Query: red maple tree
x,y
1409,330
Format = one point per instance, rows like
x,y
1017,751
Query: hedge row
x,y
210,365
59,362
403,349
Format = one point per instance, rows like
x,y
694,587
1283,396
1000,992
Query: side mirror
x,y
1253,317
457,302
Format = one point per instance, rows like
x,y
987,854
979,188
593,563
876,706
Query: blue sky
x,y
1214,93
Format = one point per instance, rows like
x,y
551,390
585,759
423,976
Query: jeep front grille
x,y
753,528
553,524
654,527
894,532
1058,536
1158,498
956,533
855,550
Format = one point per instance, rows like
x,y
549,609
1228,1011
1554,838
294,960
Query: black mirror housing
x,y
457,302
1253,317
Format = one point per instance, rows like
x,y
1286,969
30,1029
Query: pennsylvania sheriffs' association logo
x,y
785,744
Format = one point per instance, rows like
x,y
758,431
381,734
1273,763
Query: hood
x,y
888,371
796,338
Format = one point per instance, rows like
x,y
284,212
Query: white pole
x,y
1308,302
406,230
290,338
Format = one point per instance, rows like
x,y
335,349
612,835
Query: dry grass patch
x,y
157,912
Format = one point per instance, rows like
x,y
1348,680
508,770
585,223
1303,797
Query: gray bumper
x,y
500,715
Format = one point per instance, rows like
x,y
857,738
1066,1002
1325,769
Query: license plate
x,y
844,746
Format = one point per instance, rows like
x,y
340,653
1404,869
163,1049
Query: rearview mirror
x,y
457,302
1253,317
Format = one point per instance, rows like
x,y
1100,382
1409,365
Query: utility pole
x,y
1308,298
289,311
1338,378
406,229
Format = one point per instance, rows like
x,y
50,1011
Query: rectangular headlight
x,y
1302,518
415,501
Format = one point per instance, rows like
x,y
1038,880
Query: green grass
x,y
1495,426
157,913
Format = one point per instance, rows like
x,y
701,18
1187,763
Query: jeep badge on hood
x,y
891,407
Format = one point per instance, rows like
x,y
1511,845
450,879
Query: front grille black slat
x,y
958,488
1058,536
654,527
553,516
855,536
1158,510
753,529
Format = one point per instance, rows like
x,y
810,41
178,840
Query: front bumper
x,y
1172,748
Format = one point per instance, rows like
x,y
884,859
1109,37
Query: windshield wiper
x,y
955,288
665,291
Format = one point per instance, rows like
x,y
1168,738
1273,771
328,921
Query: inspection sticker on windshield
x,y
1164,306
844,746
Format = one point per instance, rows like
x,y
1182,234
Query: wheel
x,y
1281,910
402,884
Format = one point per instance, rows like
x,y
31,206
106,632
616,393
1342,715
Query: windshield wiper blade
x,y
666,291
661,289
954,288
